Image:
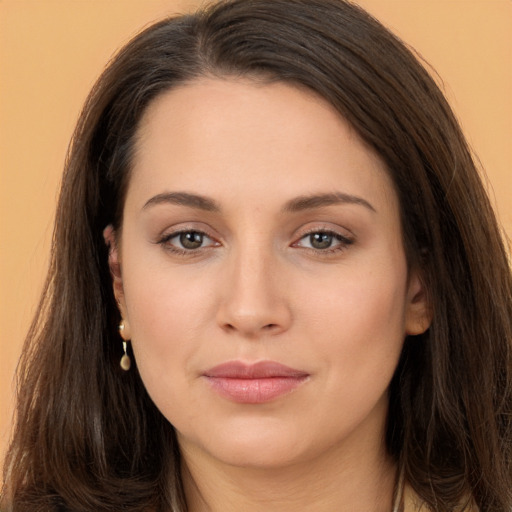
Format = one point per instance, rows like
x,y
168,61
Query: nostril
x,y
264,328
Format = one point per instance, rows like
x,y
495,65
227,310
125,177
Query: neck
x,y
344,480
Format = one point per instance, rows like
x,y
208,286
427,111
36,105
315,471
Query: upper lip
x,y
259,370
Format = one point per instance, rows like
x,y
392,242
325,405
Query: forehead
x,y
230,137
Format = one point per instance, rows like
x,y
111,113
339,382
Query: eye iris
x,y
321,240
191,240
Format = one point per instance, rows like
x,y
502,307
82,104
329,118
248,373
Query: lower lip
x,y
255,391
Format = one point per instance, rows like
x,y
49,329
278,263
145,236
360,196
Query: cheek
x,y
169,316
357,326
354,334
167,307
348,328
362,300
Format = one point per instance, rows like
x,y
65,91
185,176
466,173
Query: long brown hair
x,y
87,436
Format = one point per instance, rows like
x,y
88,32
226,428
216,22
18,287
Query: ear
x,y
418,315
111,240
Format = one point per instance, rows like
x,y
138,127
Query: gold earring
x,y
125,360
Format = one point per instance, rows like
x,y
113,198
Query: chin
x,y
255,444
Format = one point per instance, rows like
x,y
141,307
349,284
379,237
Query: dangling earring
x,y
125,362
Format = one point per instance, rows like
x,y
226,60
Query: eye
x,y
326,241
185,241
320,240
191,239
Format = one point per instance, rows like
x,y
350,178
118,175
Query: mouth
x,y
254,383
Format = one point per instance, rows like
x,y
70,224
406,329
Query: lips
x,y
254,383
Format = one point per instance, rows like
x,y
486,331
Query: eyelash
x,y
343,242
165,241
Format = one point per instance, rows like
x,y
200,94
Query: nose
x,y
254,302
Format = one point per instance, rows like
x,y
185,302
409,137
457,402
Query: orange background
x,y
51,51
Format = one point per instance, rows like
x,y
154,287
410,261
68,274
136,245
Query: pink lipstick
x,y
254,383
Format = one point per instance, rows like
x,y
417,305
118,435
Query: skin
x,y
258,288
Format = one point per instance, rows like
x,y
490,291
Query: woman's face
x,y
262,275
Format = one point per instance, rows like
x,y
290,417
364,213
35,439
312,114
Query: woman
x,y
271,286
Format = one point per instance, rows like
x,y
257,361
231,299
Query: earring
x,y
125,362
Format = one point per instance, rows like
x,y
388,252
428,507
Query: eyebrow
x,y
310,202
184,199
298,204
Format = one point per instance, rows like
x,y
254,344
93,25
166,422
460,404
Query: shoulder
x,y
413,503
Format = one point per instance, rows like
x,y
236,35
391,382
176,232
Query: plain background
x,y
51,52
